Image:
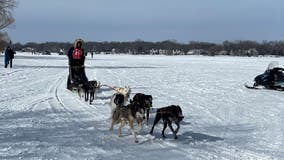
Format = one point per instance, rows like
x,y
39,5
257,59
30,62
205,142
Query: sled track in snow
x,y
10,73
37,102
54,91
56,94
60,99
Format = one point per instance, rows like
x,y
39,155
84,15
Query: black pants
x,y
77,75
11,63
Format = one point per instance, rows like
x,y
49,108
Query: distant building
x,y
28,49
195,52
252,52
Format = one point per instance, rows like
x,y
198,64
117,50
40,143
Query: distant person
x,y
12,55
92,54
6,57
76,58
9,56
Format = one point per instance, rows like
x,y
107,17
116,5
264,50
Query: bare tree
x,y
6,19
4,39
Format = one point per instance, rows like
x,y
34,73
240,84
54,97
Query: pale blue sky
x,y
149,20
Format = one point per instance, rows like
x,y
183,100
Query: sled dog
x,y
145,101
90,91
125,91
169,114
79,88
127,114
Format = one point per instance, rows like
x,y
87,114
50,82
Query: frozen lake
x,y
40,119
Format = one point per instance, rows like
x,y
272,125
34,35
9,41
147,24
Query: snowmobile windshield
x,y
273,64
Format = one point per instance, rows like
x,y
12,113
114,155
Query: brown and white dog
x,y
125,91
79,88
169,114
127,114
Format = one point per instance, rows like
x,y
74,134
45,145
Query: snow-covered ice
x,y
40,119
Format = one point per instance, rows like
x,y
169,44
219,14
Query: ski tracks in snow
x,y
41,119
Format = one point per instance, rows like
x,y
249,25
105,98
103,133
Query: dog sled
x,y
87,89
137,110
272,78
79,83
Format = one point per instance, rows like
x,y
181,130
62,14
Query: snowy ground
x,y
40,119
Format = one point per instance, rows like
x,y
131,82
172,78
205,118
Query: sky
x,y
148,20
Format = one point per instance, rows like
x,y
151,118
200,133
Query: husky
x,y
127,114
145,101
79,88
90,91
125,91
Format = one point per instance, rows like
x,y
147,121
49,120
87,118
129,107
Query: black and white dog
x,y
145,101
90,90
169,114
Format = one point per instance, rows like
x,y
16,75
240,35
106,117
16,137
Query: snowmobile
x,y
272,78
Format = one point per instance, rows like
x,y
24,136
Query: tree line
x,y
168,47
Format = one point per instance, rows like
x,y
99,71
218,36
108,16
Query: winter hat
x,y
78,41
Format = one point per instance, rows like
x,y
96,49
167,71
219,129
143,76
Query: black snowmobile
x,y
272,78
